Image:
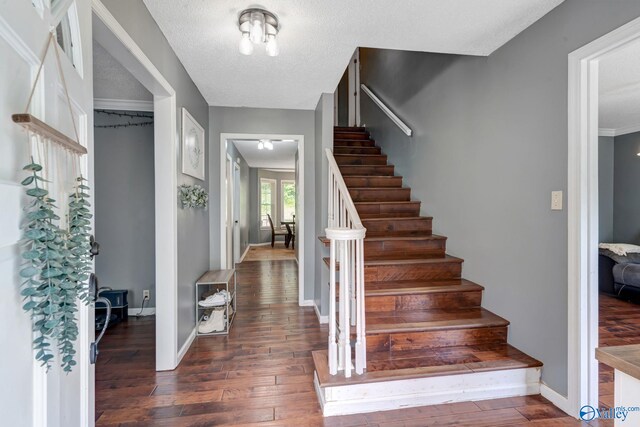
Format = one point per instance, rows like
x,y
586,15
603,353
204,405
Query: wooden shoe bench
x,y
217,280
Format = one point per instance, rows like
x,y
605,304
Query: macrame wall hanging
x,y
56,232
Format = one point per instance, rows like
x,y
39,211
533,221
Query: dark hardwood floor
x,y
262,373
619,325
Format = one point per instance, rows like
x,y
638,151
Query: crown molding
x,y
122,104
619,131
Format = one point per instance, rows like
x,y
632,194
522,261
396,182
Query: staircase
x,y
428,339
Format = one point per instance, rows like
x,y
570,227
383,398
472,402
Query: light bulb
x,y
260,145
246,47
268,145
272,45
257,27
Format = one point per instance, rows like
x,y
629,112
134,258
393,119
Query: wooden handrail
x,y
395,119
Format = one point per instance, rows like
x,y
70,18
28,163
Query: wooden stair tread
x,y
408,202
348,129
443,260
404,218
432,320
376,176
374,188
326,241
428,363
410,288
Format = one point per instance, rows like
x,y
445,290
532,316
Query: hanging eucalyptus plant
x,y
56,268
77,267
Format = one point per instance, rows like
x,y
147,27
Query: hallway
x,y
262,373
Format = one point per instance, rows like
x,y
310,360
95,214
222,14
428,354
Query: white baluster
x,y
352,281
333,347
361,343
345,287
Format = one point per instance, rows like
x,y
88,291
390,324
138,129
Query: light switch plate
x,y
556,200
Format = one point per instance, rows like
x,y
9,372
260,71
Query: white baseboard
x,y
147,311
186,345
391,395
307,303
246,251
558,400
322,319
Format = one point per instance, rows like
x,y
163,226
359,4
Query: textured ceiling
x,y
112,81
317,38
619,98
283,155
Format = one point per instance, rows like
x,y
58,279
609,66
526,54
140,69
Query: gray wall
x,y
125,208
626,199
263,121
193,224
324,117
490,144
243,220
605,187
256,235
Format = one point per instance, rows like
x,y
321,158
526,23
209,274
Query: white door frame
x,y
229,214
113,37
582,210
225,138
236,212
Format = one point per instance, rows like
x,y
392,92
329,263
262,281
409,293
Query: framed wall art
x,y
193,146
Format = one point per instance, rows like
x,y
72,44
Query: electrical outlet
x,y
556,200
146,294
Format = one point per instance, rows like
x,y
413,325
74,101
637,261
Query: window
x,y
288,208
68,31
267,201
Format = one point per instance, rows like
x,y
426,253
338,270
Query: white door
x,y
29,396
236,212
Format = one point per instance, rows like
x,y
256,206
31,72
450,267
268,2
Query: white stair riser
x,y
390,395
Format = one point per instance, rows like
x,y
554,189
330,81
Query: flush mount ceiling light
x,y
258,26
265,143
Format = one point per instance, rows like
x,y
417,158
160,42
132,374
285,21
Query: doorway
x,y
117,42
228,144
583,211
124,204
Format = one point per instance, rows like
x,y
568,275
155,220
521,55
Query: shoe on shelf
x,y
213,301
225,294
215,323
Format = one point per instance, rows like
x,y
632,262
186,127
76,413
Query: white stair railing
x,y
346,235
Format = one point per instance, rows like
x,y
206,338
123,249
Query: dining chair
x,y
274,232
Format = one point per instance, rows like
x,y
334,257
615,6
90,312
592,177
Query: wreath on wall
x,y
193,196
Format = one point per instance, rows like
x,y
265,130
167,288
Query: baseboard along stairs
x,y
429,341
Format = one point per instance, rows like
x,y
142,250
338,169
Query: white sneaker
x,y
213,300
225,294
215,323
